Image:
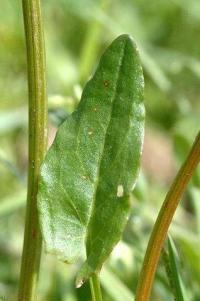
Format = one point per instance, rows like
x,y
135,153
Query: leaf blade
x,y
93,163
172,270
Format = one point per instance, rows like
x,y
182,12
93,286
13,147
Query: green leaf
x,y
92,166
172,269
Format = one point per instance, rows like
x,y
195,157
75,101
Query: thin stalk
x,y
95,288
37,146
163,222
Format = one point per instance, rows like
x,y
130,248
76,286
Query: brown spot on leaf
x,y
106,83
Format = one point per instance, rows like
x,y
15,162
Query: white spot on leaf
x,y
120,191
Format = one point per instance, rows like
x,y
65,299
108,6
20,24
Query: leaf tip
x,y
84,274
79,282
127,38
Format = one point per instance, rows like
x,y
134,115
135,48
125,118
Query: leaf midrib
x,y
93,205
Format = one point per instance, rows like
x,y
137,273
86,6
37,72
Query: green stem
x,y
95,288
37,146
163,222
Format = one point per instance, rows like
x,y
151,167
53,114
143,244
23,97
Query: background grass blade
x,y
115,287
172,267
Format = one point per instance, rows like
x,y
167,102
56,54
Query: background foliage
x,y
76,32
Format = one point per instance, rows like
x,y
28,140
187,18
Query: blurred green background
x,y
76,33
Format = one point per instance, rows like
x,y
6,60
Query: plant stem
x,y
95,288
37,146
163,222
